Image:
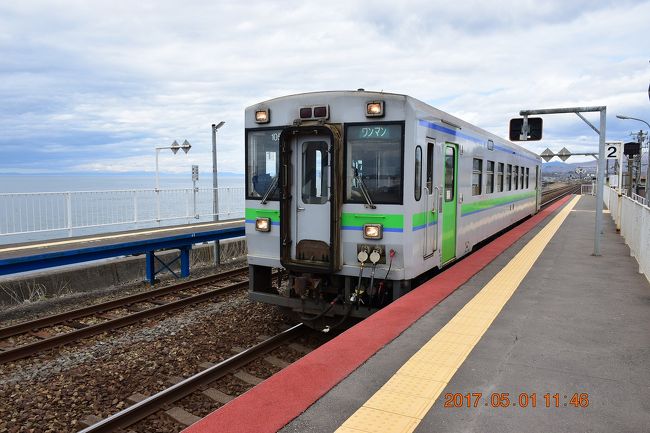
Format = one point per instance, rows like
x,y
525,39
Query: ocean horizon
x,y
64,182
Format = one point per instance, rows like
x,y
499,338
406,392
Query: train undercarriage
x,y
325,300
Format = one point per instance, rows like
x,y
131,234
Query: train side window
x,y
449,173
500,178
521,178
477,176
509,178
489,184
314,172
430,149
418,173
515,176
527,177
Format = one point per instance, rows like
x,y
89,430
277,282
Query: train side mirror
x,y
534,132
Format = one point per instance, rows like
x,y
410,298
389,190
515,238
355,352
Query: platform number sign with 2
x,y
613,150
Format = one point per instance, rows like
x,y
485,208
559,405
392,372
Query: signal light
x,y
316,112
534,129
321,112
305,113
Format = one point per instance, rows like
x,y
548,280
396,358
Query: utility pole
x,y
640,136
647,181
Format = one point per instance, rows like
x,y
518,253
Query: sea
x,y
33,208
13,183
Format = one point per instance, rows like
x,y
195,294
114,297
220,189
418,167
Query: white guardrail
x,y
55,214
632,218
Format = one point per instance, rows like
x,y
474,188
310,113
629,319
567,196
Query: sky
x,y
95,86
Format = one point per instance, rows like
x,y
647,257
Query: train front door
x,y
311,199
449,203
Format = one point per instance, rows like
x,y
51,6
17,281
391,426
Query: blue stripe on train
x,y
455,133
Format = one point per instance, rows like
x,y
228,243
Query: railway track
x,y
551,195
200,382
32,337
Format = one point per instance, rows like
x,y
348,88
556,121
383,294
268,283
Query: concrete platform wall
x,y
103,273
632,218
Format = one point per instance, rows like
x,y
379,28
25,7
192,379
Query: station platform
x,y
58,252
529,333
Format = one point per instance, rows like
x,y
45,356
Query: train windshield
x,y
374,163
262,164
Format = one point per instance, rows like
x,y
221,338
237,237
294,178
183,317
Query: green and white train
x,y
355,194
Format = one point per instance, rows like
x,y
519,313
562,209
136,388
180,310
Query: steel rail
x,y
26,350
61,319
150,405
558,193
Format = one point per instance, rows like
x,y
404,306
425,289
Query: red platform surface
x,y
275,402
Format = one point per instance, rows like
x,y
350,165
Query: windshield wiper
x,y
364,189
270,189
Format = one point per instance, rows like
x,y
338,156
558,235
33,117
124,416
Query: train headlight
x,y
373,231
262,116
375,109
263,224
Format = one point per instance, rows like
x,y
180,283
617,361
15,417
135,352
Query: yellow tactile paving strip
x,y
400,405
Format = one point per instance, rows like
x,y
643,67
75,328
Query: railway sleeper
x,y
181,416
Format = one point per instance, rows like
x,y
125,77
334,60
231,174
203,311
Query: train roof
x,y
416,103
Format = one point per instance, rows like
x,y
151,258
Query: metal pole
x,y
215,181
638,166
647,172
601,181
620,174
157,187
215,190
630,165
601,157
68,202
157,179
196,215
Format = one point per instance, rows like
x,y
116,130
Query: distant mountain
x,y
563,167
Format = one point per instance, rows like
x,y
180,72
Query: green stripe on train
x,y
390,221
467,208
252,213
418,219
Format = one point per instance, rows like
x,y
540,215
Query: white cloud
x,y
159,71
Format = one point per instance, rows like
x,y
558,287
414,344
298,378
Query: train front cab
x,y
315,200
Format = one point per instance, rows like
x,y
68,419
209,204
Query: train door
x,y
537,189
311,200
310,209
449,202
430,216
